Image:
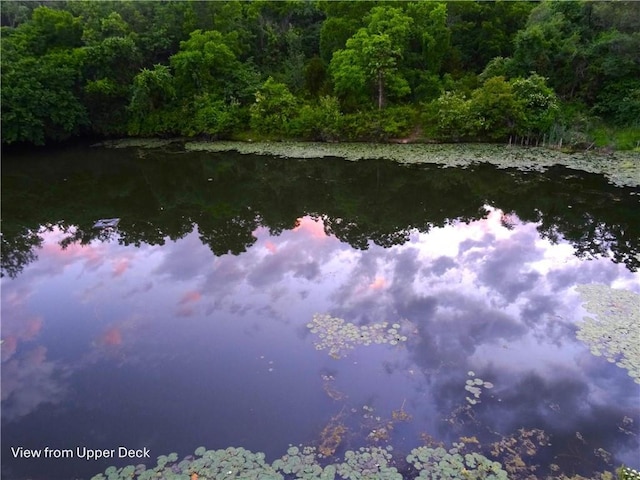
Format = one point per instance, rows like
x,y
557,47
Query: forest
x,y
550,72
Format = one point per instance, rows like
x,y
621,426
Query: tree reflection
x,y
227,196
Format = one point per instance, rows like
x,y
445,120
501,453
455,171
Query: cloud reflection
x,y
489,295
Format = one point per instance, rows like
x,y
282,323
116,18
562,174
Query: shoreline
x,y
622,168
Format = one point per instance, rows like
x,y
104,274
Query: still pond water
x,y
261,302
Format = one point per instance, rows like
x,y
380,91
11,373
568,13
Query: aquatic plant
x,y
441,464
613,331
368,463
626,473
331,437
338,336
303,463
475,386
517,450
400,415
621,168
224,464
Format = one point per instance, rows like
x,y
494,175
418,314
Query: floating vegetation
x,y
338,336
329,389
377,429
440,464
626,426
303,463
368,463
400,415
474,385
219,464
138,143
613,332
626,473
514,449
332,435
621,168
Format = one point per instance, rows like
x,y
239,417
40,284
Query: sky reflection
x,y
490,296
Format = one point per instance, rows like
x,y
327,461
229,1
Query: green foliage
x,y
449,117
203,63
429,45
162,68
214,117
619,138
321,121
153,91
315,74
49,29
274,108
440,464
370,58
379,125
40,100
627,473
539,105
496,109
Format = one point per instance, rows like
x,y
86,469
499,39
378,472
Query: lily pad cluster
x,y
440,464
621,168
613,332
224,464
339,336
474,386
303,462
368,463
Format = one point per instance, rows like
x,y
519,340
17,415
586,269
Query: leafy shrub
x,y
379,125
319,122
273,109
496,109
449,117
215,117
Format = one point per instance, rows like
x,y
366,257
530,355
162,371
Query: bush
x,y
273,109
320,122
215,117
539,105
379,125
449,117
496,109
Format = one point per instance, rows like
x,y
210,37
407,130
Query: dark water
x,y
187,325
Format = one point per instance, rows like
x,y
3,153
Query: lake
x,y
319,311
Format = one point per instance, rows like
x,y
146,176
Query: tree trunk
x,y
380,89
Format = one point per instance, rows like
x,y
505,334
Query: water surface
x,y
189,324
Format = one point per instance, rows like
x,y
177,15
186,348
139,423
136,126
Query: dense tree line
x,y
320,70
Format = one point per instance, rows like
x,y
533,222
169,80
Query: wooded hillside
x,y
323,70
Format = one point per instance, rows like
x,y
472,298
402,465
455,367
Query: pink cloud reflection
x,y
378,284
311,226
119,266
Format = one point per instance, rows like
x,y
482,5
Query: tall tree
x,y
371,57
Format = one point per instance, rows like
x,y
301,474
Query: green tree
x,y
152,98
449,117
539,104
41,78
429,45
321,121
371,56
496,109
48,29
203,63
274,108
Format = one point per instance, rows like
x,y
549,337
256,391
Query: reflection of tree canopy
x,y
164,194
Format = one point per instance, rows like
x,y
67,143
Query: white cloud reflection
x,y
489,295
